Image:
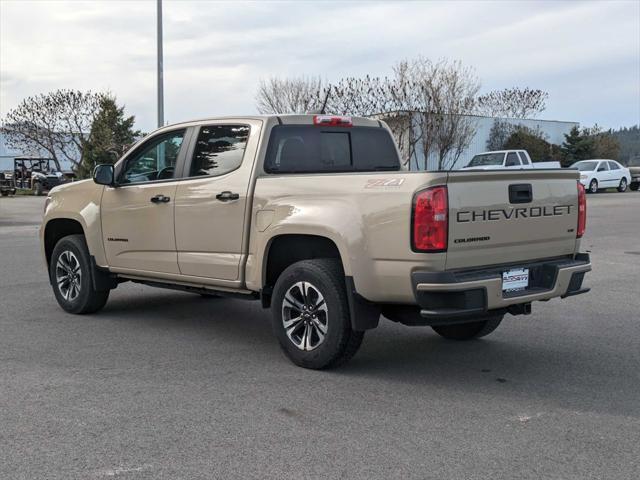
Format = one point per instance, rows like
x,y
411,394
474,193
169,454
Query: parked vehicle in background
x,y
36,174
598,174
634,171
315,216
511,159
7,184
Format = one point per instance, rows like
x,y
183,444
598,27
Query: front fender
x,y
78,201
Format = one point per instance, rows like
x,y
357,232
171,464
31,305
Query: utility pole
x,y
160,67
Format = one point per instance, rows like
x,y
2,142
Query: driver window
x,y
603,167
155,160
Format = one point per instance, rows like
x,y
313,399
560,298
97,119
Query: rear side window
x,y
523,158
307,148
219,149
512,160
613,166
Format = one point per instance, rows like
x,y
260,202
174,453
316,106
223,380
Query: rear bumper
x,y
462,293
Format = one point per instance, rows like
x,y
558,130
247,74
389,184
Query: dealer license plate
x,y
515,279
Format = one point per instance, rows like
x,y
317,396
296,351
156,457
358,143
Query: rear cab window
x,y
320,149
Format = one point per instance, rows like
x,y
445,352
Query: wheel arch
x,y
286,249
56,229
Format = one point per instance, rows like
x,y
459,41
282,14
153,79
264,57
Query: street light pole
x,y
160,74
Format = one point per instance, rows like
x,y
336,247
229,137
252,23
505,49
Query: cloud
x,y
586,54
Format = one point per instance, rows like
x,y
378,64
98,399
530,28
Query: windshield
x,y
486,159
585,166
634,162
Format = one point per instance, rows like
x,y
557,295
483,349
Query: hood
x,y
72,186
634,170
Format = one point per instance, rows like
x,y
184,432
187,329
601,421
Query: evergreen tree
x,y
578,146
110,136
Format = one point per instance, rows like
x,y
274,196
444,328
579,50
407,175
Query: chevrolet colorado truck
x,y
315,217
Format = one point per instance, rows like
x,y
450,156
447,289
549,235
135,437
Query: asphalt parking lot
x,y
164,384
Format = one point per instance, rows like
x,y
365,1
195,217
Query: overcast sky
x,y
585,54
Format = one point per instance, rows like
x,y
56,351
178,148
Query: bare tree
x,y
57,123
290,95
444,95
389,99
424,103
512,102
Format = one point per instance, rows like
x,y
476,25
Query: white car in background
x,y
598,173
509,159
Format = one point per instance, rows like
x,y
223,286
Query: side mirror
x,y
601,169
104,175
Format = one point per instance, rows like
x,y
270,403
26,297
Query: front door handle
x,y
227,195
160,199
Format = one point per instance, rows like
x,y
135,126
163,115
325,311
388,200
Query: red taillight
x,y
430,220
332,121
582,211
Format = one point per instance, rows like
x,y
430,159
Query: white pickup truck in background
x,y
511,159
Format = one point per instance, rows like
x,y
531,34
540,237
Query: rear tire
x,y
593,186
38,189
71,277
623,185
468,331
313,324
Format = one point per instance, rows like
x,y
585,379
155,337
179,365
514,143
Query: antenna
x,y
326,99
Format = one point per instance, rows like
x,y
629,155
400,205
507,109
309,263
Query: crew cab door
x,y
212,201
138,214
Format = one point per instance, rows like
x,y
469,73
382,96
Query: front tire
x,y
593,186
38,189
311,315
634,186
623,185
70,275
468,331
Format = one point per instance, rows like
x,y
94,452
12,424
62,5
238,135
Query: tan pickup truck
x,y
314,216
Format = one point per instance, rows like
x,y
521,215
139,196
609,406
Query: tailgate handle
x,y
520,193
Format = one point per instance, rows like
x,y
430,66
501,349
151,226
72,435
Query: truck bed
x,y
369,217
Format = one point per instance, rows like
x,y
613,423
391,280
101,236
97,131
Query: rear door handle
x,y
227,195
160,199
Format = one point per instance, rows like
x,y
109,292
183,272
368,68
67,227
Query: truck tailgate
x,y
510,216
